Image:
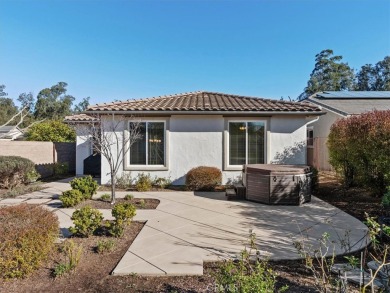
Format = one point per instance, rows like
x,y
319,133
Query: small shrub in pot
x,y
203,178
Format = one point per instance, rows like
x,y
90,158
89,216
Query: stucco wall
x,y
83,151
321,129
199,140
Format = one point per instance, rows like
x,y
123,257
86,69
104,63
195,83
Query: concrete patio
x,y
189,228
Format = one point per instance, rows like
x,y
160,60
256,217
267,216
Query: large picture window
x,y
150,149
246,142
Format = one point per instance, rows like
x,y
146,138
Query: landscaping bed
x,y
144,203
20,190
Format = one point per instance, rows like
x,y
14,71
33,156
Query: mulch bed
x,y
149,203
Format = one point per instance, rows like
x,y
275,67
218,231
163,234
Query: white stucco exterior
x,y
200,140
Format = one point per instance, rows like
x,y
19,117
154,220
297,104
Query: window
x,y
150,149
246,142
310,137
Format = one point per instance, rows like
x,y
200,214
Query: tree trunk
x,y
112,188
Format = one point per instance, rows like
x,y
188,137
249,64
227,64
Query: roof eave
x,y
240,113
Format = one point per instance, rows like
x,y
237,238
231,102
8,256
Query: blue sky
x,y
131,49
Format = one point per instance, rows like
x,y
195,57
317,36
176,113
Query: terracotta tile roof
x,y
205,101
80,118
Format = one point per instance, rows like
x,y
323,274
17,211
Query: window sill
x,y
234,168
146,168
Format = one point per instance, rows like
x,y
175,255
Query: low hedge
x,y
15,171
27,235
203,178
86,185
70,198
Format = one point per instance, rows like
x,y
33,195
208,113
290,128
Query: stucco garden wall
x,y
195,140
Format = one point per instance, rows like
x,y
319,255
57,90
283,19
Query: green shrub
x,y
71,198
86,185
124,181
73,254
129,197
51,130
15,171
386,199
27,235
105,197
142,203
203,178
86,220
144,182
359,150
104,246
162,182
123,214
246,275
60,169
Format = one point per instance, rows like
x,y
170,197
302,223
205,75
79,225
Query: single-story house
x,y
183,131
10,132
337,105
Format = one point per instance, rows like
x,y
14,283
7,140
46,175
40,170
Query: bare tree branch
x,y
111,137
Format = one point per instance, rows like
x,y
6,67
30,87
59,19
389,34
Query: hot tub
x,y
277,184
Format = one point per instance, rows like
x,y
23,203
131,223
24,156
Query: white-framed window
x,y
246,143
150,150
310,137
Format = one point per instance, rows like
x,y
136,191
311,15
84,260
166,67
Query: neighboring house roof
x,y
195,102
352,102
80,118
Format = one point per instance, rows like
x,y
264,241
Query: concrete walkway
x,y
189,228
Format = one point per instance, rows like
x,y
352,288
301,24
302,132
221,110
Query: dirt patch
x,y
139,203
354,201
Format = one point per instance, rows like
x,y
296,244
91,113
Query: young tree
x,y
112,137
329,74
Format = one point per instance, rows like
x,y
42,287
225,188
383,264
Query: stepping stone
x,y
384,271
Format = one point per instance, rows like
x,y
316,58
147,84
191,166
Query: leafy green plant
x,y
105,197
51,130
144,182
353,261
60,169
142,203
27,235
386,199
86,220
247,275
86,185
15,171
162,182
71,198
203,178
72,252
124,181
104,246
123,214
129,197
